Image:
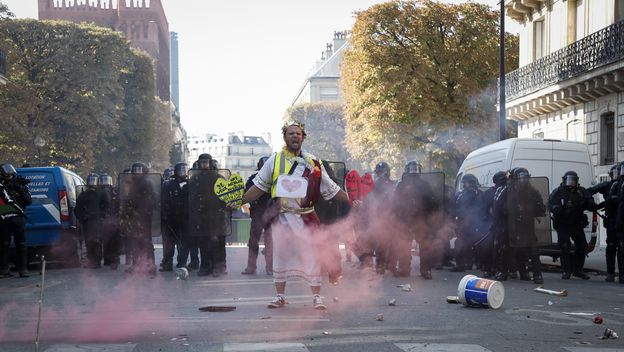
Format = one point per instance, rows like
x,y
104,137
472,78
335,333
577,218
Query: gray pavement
x,y
104,310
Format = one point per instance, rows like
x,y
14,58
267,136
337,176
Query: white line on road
x,y
257,347
440,347
590,349
92,348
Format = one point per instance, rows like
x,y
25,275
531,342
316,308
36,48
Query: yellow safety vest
x,y
282,167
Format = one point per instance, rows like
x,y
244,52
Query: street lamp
x,y
39,143
502,120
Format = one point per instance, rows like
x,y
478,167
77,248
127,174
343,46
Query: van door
x,y
43,215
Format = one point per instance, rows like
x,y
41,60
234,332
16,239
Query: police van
x,y
545,158
51,225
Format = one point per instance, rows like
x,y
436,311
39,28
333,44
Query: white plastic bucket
x,y
479,292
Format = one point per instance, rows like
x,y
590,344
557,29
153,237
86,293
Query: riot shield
x,y
139,198
208,215
428,188
331,210
528,221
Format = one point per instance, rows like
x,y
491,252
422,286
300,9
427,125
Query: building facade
x,y
175,71
237,152
570,84
323,83
143,22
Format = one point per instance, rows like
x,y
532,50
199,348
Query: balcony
x,y
584,70
598,49
3,67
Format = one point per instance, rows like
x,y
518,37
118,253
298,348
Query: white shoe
x,y
317,302
277,302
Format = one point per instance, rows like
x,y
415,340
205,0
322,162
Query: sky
x,y
243,61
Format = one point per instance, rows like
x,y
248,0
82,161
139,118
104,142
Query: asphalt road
x,y
104,310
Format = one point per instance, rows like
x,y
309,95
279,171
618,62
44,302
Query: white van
x,y
543,158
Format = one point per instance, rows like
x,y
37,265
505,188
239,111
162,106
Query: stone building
x,y
143,22
570,84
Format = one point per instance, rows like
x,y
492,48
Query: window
x,y
619,10
539,39
580,19
607,138
329,93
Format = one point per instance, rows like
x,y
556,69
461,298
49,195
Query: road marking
x,y
590,349
92,348
257,347
440,347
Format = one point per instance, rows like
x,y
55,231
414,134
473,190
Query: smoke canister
x,y
181,273
475,291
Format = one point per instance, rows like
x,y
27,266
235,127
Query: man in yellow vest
x,y
295,179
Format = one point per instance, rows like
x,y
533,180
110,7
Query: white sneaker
x,y
277,302
317,302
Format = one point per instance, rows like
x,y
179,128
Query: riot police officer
x,y
175,215
259,226
467,214
378,205
415,206
168,174
110,222
515,208
208,245
484,248
14,198
89,211
567,204
608,190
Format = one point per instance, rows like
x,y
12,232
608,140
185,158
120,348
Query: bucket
x,y
479,292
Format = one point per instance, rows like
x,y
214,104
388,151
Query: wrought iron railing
x,y
597,49
3,63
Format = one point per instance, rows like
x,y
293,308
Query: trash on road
x,y
540,289
379,317
217,308
609,334
550,303
452,299
265,317
326,333
579,314
336,299
181,273
392,302
475,291
598,320
406,287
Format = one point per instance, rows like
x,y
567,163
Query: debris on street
x,y
609,334
379,317
598,320
392,302
217,308
452,299
563,293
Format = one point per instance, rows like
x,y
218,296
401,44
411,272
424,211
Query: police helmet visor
x,y
413,168
181,171
203,163
137,169
571,181
106,180
8,170
523,177
92,180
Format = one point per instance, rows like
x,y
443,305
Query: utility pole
x,y
502,119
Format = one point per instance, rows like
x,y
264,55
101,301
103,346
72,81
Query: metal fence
x,y
597,49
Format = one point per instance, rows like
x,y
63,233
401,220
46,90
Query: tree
x,y
325,127
5,12
420,79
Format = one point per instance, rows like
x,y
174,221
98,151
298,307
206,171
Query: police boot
x,y
610,254
538,278
579,263
566,261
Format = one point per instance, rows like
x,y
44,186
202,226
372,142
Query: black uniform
x,y
567,205
379,203
467,212
175,231
484,247
609,191
93,207
259,225
14,198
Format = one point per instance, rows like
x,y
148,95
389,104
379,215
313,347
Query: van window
x,y
71,188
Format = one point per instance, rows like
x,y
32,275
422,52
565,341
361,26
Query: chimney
x,y
328,51
340,38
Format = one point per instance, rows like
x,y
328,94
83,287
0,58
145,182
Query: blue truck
x,y
51,227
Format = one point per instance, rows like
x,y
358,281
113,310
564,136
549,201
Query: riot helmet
x,y
214,164
106,180
520,175
570,179
413,167
261,162
7,171
614,172
168,173
382,170
500,178
139,168
180,170
469,181
204,161
93,180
